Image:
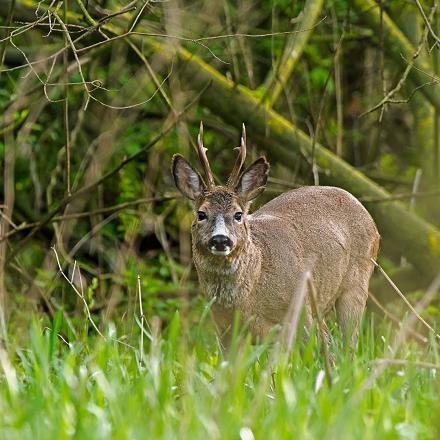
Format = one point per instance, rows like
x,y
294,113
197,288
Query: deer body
x,y
323,230
255,263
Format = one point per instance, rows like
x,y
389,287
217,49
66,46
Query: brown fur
x,y
324,230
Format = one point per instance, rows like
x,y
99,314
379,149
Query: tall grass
x,y
185,388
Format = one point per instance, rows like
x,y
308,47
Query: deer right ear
x,y
253,180
187,180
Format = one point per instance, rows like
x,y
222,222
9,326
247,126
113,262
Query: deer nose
x,y
220,243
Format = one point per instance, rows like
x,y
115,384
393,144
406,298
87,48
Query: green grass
x,y
185,388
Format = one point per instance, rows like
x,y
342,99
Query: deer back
x,y
256,262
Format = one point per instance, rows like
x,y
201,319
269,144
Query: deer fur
x,y
256,265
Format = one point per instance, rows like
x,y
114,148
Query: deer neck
x,y
229,279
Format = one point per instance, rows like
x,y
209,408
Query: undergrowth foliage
x,y
185,388
96,96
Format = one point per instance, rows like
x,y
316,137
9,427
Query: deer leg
x,y
352,298
349,309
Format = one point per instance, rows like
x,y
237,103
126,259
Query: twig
x,y
427,20
66,104
199,41
138,104
84,10
29,26
81,295
138,17
77,215
405,363
77,292
261,35
410,306
141,342
64,202
295,47
420,338
8,31
3,215
75,54
90,234
401,196
388,97
398,340
159,86
321,109
415,188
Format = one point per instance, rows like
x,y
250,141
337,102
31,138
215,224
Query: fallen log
x,y
414,237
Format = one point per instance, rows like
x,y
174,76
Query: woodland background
x,y
96,96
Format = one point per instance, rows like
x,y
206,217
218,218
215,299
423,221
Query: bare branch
x,y
410,306
388,97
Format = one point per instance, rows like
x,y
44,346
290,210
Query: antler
x,y
235,174
201,150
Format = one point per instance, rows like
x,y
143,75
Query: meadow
x,y
175,382
110,336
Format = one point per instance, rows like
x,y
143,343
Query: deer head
x,y
220,225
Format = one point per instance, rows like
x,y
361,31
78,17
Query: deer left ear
x,y
186,178
253,180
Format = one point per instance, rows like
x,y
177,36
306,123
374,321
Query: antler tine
x,y
201,150
235,174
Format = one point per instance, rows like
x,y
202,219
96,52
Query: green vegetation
x,y
184,388
95,98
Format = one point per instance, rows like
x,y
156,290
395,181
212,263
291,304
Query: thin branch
x,y
398,322
8,31
141,311
84,10
75,54
427,20
159,86
199,41
401,196
77,292
388,97
31,25
81,295
66,200
320,112
410,306
138,17
78,215
66,103
295,47
406,363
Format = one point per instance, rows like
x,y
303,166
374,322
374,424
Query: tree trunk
x,y
417,239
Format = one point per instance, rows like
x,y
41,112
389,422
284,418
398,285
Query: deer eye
x,y
238,216
201,216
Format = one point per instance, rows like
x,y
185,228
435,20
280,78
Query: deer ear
x,y
187,180
253,180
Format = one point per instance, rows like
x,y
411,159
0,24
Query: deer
x,y
254,263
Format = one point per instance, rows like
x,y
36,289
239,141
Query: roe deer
x,y
255,263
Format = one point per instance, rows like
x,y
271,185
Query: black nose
x,y
219,242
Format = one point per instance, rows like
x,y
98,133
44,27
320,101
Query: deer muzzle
x,y
220,245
